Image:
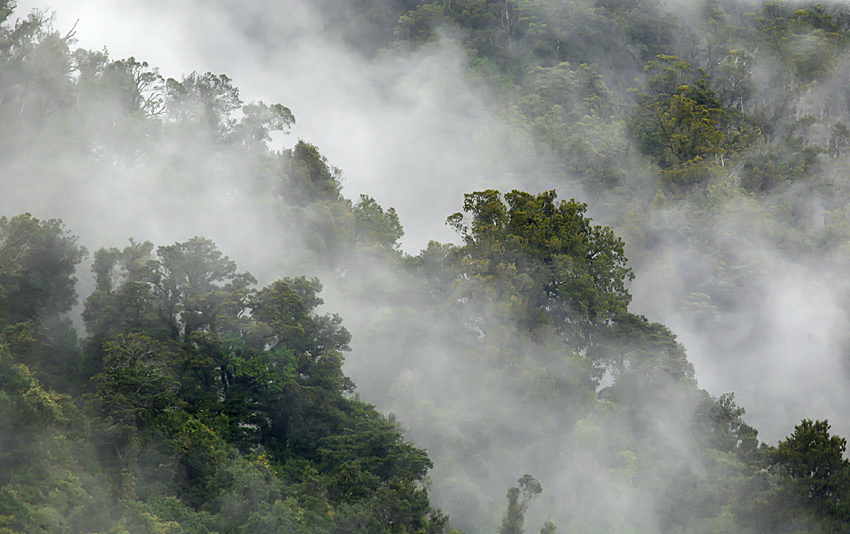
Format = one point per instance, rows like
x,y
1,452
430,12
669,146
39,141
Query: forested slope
x,y
709,135
184,395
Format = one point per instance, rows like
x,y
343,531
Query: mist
x,y
416,130
401,129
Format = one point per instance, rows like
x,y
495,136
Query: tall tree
x,y
518,500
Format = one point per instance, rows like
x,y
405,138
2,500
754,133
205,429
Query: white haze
x,y
416,134
413,134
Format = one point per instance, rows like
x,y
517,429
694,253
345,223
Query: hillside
x,y
565,351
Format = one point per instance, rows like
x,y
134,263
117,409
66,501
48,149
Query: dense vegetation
x,y
197,400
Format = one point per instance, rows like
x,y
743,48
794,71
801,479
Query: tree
x,y
25,405
688,129
137,383
813,470
311,178
140,87
375,228
198,285
206,99
183,288
34,80
678,121
288,308
420,25
37,263
808,40
545,258
124,300
6,9
720,422
37,287
259,119
518,501
195,366
574,113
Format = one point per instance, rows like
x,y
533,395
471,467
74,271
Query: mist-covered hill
x,y
555,349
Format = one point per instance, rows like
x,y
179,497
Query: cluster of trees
x,y
198,402
740,106
559,281
711,132
195,402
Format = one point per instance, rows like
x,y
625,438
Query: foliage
x,y
37,261
200,403
547,259
814,475
678,124
193,372
518,500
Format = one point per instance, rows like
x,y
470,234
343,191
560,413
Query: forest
x,y
203,331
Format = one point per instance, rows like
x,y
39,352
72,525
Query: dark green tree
x,y
720,421
192,365
311,178
814,474
546,257
37,287
37,264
